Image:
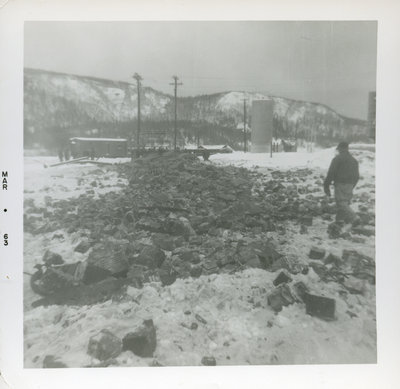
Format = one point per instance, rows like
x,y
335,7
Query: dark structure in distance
x,y
98,147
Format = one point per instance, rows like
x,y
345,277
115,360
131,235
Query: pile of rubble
x,y
181,218
353,271
281,293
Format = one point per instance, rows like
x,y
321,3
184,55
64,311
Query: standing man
x,y
344,173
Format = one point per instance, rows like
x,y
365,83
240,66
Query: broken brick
x,y
200,319
163,241
151,256
196,271
52,362
51,258
283,277
301,289
104,345
319,306
208,361
334,230
349,253
167,274
143,341
307,221
334,259
303,229
280,297
82,247
317,253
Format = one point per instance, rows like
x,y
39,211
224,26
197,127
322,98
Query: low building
x,y
99,147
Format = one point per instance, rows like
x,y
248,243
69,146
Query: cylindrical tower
x,y
261,125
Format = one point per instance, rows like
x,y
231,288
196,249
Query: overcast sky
x,y
333,63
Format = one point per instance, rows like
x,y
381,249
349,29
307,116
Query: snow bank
x,y
319,159
70,180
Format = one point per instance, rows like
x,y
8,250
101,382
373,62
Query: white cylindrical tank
x,y
261,125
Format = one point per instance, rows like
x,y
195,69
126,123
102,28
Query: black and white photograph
x,y
199,193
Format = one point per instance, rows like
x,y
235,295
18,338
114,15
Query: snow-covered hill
x,y
91,98
56,102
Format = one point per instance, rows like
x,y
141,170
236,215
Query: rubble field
x,y
169,261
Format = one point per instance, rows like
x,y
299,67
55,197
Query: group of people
x,y
64,154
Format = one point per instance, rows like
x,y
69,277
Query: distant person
x,y
343,172
67,154
206,155
60,155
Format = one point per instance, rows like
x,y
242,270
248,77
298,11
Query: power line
x,y
175,84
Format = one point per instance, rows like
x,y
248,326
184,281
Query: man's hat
x,y
342,146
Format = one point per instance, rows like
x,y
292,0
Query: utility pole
x,y
244,125
175,84
271,146
198,136
138,79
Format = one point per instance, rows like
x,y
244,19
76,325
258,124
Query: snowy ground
x,y
66,181
318,160
240,327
